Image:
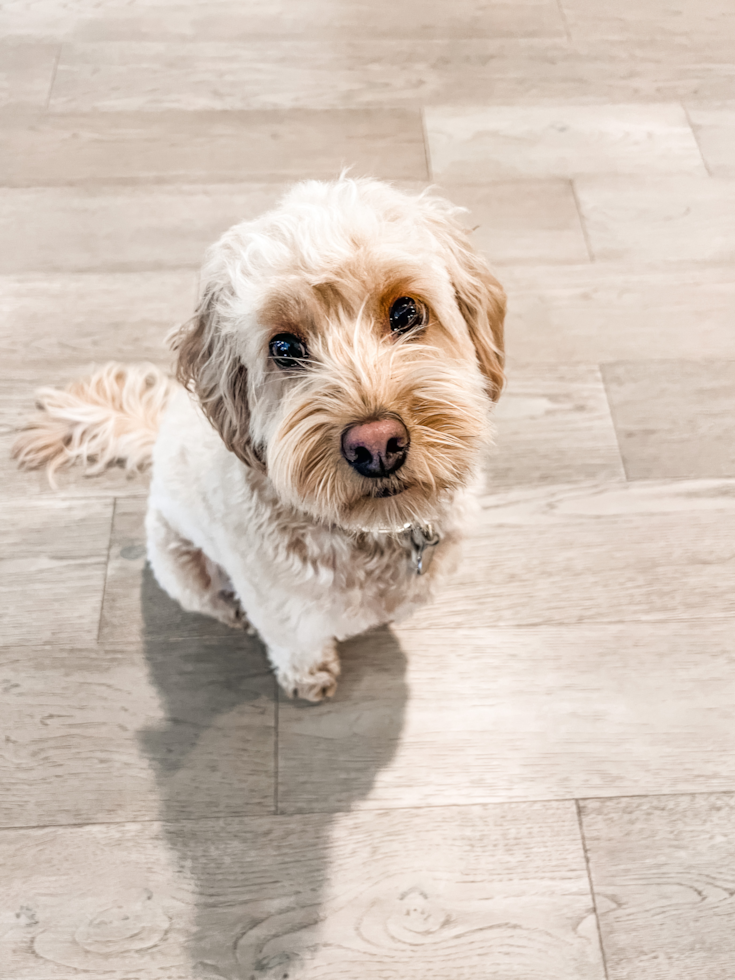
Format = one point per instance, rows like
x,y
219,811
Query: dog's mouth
x,y
387,491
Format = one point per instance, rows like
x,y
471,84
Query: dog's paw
x,y
318,683
227,609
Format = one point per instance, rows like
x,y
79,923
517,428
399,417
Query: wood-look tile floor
x,y
532,780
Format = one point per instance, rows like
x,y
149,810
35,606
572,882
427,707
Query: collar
x,y
420,540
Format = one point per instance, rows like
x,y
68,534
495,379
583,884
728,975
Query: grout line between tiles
x,y
107,567
427,149
612,422
53,78
694,135
277,702
265,814
565,22
582,224
592,887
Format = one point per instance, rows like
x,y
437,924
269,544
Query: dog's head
x,y
350,343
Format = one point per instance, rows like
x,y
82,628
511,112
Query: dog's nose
x,y
376,448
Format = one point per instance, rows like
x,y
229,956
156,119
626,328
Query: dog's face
x,y
350,343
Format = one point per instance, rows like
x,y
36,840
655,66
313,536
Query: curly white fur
x,y
254,512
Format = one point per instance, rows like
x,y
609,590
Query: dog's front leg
x,y
301,646
311,675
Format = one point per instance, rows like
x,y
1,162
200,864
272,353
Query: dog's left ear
x,y
480,297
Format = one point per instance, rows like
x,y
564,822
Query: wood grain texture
x,y
684,219
58,229
704,29
526,221
553,425
600,552
52,569
52,327
103,734
674,418
484,143
229,21
663,875
611,312
193,147
490,715
338,72
475,892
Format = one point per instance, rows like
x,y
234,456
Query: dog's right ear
x,y
208,365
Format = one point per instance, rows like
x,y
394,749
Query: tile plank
x,y
491,715
553,425
210,147
269,19
522,221
473,891
662,870
337,72
52,569
495,142
674,419
595,552
49,230
609,312
666,219
104,734
52,327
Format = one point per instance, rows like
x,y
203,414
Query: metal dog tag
x,y
423,543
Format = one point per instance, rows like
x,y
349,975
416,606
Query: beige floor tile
x,y
553,425
136,608
685,219
487,715
662,870
493,142
210,147
143,229
606,312
674,418
107,734
52,569
48,230
287,18
475,892
334,72
26,72
714,127
52,327
596,552
663,25
524,221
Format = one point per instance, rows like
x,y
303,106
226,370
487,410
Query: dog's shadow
x,y
222,766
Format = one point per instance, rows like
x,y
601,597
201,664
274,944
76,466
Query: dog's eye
x,y
288,351
405,313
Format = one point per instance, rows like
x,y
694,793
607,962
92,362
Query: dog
x,y
314,460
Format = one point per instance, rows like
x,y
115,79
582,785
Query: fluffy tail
x,y
109,416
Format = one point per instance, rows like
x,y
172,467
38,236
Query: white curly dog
x,y
327,425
